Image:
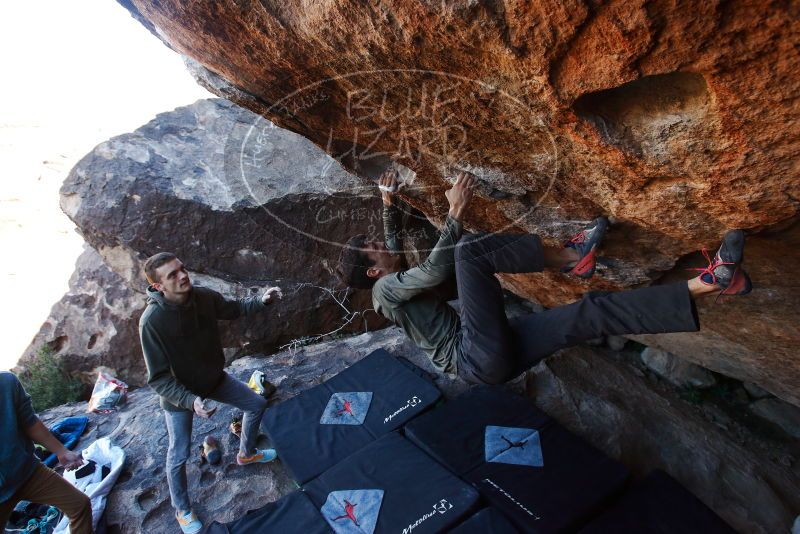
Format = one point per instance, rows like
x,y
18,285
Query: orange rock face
x,y
677,121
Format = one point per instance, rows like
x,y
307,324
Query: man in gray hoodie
x,y
183,353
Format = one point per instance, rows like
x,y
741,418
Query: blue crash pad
x,y
487,521
292,513
390,486
658,505
539,475
324,424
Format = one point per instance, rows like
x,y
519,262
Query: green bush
x,y
47,384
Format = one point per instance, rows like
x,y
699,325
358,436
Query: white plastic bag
x,y
104,454
107,394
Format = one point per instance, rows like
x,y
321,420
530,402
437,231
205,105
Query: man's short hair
x,y
353,264
154,262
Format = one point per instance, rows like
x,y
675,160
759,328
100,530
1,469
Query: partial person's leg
x,y
649,310
487,345
179,428
6,507
231,391
46,486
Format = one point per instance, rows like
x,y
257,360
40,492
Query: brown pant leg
x,y
45,486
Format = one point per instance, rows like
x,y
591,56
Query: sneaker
x,y
258,382
725,269
586,243
236,426
210,450
262,456
188,522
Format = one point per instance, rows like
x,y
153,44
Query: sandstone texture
x,y
755,392
94,324
680,372
751,485
244,204
780,413
677,120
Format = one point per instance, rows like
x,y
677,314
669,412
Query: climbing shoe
x,y
586,242
259,383
261,456
236,426
188,522
725,269
209,451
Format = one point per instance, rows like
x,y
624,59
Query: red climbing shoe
x,y
725,270
586,242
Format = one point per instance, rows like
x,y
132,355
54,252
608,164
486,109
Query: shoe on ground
x,y
258,382
188,522
261,456
725,269
586,243
236,426
211,450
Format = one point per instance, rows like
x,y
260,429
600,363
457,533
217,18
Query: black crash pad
x,y
391,486
294,513
322,425
487,521
538,474
658,505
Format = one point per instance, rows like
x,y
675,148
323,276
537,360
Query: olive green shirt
x,y
407,299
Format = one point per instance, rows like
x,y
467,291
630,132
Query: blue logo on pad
x,y
517,446
346,408
353,511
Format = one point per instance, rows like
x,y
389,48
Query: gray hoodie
x,y
181,343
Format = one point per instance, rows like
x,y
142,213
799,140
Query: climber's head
x,y
363,262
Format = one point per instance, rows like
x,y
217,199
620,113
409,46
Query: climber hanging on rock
x,y
479,343
183,353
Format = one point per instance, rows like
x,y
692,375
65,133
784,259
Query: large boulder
x,y
244,204
678,371
671,118
94,324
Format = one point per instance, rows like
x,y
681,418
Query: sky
x,y
74,75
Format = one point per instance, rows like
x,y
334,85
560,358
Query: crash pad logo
x,y
347,408
353,511
517,446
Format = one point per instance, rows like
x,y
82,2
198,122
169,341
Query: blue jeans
x,y
179,426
